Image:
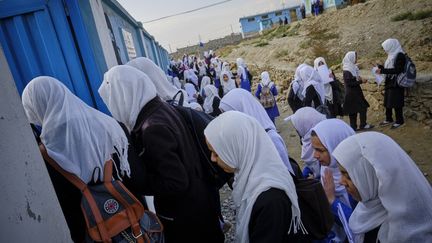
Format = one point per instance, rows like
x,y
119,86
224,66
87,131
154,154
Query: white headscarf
x,y
304,119
392,47
191,91
163,87
241,67
349,64
227,85
331,132
265,80
210,92
297,84
78,137
243,101
317,61
191,76
249,150
310,77
204,82
126,90
202,68
327,86
394,192
195,106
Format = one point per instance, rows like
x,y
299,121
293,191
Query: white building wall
x,y
29,210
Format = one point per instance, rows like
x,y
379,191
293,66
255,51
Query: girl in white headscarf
x,y
312,87
76,136
325,137
332,90
212,100
177,83
245,83
227,82
394,95
243,101
196,106
226,68
393,194
267,85
303,121
163,87
355,102
204,82
261,182
191,92
295,97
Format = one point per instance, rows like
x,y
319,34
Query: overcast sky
x,y
209,23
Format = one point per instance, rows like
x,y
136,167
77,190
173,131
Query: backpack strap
x,y
75,180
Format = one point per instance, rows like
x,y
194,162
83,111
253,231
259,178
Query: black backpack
x,y
196,122
315,209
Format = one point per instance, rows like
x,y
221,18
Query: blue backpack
x,y
407,78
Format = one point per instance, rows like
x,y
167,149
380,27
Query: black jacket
x,y
355,101
183,195
312,96
394,95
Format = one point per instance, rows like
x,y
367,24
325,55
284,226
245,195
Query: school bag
x,y
112,213
407,78
315,209
174,101
196,122
267,99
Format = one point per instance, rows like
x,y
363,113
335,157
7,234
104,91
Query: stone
x,y
419,116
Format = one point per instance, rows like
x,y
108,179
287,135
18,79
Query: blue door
x,y
37,39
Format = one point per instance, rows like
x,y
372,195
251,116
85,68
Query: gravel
x,y
228,212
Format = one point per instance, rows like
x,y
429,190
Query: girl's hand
x,y
329,186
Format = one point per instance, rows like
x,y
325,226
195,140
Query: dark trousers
x,y
353,119
399,115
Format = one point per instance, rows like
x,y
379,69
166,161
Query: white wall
x,y
103,32
29,209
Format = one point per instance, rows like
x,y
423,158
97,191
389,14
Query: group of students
x,y
334,99
207,81
156,154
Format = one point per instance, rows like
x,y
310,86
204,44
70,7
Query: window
x,y
279,13
264,16
251,19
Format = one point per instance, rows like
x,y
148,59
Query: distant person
x,y
266,94
184,195
263,192
212,101
245,102
395,199
303,121
295,95
303,11
285,21
280,21
242,74
321,6
355,102
394,95
79,138
313,89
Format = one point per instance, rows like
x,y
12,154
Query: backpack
x,y
111,212
196,122
407,78
315,209
174,101
267,99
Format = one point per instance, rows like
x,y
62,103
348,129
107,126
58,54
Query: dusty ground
x,y
412,137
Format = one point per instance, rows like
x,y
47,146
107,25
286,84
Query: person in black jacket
x,y
394,95
264,191
185,195
355,102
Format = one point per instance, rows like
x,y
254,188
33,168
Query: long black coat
x,y
394,95
183,195
355,101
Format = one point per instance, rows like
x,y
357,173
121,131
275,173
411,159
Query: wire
x,y
189,11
